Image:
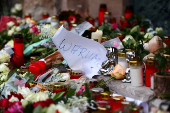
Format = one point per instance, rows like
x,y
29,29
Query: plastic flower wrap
x,y
4,56
46,31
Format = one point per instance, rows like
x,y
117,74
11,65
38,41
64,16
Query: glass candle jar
x,y
106,96
102,10
122,60
54,22
76,74
45,15
27,15
135,110
103,109
60,87
121,36
107,17
116,103
90,20
136,73
150,70
93,83
18,45
112,20
124,104
96,93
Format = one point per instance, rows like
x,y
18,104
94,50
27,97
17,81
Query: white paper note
x,y
79,52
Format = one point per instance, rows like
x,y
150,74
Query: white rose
x,y
13,10
62,109
18,29
4,76
24,91
13,28
24,103
12,99
10,32
11,43
18,7
41,96
51,109
4,68
148,35
4,56
127,37
10,24
31,97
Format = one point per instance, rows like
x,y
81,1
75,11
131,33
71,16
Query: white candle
x,y
97,35
152,82
136,74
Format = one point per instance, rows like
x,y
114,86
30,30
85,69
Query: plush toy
x,y
153,46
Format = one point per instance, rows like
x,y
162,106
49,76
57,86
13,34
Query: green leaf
x,y
44,110
30,76
29,108
12,72
56,96
37,109
71,92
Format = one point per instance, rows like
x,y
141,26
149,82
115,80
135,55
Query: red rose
x,y
42,104
19,96
49,102
27,85
5,103
57,111
142,29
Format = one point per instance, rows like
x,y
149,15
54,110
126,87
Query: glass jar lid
x,y
119,98
135,63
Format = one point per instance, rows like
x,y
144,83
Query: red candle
x,y
150,70
60,87
27,15
96,93
45,15
75,74
116,103
102,10
93,83
128,12
18,45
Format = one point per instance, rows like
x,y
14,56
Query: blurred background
x,y
158,11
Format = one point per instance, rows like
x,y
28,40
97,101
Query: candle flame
x,y
97,30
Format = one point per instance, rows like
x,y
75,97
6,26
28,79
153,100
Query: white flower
x,y
149,29
148,35
12,99
11,43
164,45
24,103
10,32
159,30
51,109
13,10
31,97
24,91
13,28
62,109
2,85
18,7
4,68
10,24
4,76
41,96
18,29
131,38
142,33
4,56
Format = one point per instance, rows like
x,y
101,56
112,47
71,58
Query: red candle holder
x,y
150,70
121,36
93,83
27,15
106,96
96,93
128,12
102,10
45,15
76,74
112,20
116,103
90,20
124,104
60,87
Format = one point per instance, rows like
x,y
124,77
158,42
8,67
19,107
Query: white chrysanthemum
x,y
4,56
24,103
12,99
24,91
46,31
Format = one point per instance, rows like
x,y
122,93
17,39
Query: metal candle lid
x,y
60,86
106,95
122,54
135,63
119,98
97,89
76,72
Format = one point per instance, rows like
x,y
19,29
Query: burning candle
x,y
97,35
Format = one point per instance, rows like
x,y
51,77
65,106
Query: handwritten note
x,y
79,52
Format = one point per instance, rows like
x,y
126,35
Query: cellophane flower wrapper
x,y
113,43
13,83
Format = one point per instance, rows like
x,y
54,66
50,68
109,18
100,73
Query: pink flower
x,y
36,33
13,16
114,26
16,108
31,25
18,18
32,30
82,89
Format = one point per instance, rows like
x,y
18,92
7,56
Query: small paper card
x,y
113,43
80,29
79,52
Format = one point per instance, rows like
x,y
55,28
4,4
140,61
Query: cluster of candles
x,y
107,103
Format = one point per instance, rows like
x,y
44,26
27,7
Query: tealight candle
x,y
97,35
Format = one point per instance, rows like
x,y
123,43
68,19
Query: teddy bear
x,y
153,46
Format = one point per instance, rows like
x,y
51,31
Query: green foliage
x,y
29,108
30,77
12,72
56,96
87,92
70,93
38,109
